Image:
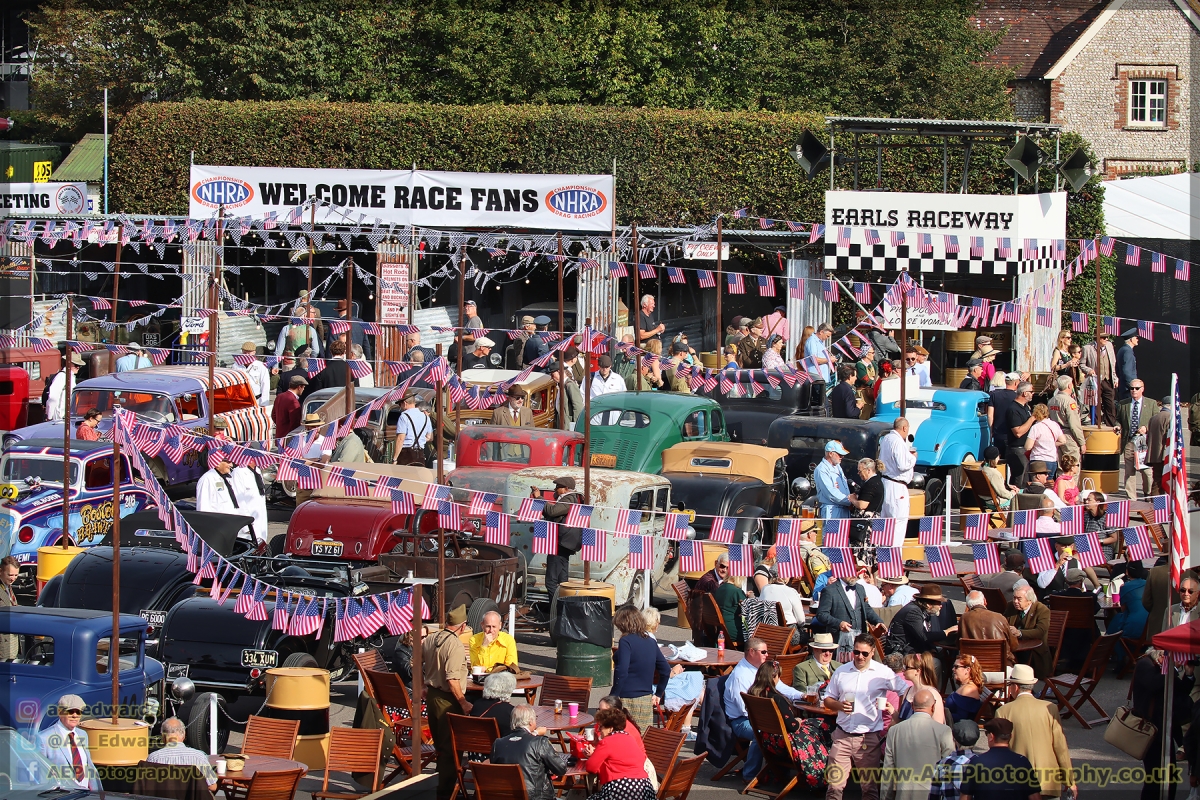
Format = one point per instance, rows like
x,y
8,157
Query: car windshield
x,y
16,467
147,405
25,768
506,452
622,419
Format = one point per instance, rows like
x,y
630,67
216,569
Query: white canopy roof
x,y
1156,207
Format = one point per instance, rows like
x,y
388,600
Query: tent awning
x,y
1183,638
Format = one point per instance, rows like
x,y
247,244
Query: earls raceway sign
x,y
408,197
24,199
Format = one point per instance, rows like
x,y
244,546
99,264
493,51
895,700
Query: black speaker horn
x,y
1024,158
810,154
1076,170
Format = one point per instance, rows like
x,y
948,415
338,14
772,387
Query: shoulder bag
x,y
1129,734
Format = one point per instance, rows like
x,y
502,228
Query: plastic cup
x,y
848,697
220,766
477,670
589,734
573,709
881,703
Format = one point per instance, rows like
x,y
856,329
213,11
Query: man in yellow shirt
x,y
493,646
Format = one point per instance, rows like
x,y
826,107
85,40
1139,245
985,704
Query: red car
x,y
14,397
487,454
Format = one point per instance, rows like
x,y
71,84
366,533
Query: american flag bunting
x,y
1116,514
675,526
929,530
723,529
842,561
1138,545
545,538
734,283
1087,550
883,532
628,523
1023,523
641,552
890,561
987,559
1071,520
705,278
940,564
829,290
691,556
1039,555
836,533
741,560
766,286
530,509
594,547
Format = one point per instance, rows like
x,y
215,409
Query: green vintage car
x,y
630,430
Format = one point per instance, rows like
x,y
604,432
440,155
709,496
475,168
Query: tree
x,y
889,58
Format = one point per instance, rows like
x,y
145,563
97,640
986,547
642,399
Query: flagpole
x,y
587,431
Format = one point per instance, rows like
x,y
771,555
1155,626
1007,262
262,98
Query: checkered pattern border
x,y
883,257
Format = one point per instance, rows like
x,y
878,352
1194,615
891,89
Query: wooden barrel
x,y
711,360
594,588
302,693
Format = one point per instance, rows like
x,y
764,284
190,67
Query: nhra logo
x,y
228,192
576,202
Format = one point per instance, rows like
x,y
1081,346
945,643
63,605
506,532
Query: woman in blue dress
x,y
964,703
1130,621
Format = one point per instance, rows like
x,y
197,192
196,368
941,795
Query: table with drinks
x,y
527,686
564,717
714,659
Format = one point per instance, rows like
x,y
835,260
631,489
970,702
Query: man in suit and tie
x,y
818,667
65,745
1185,610
514,413
1037,734
1101,358
913,745
1134,414
1031,621
844,607
1157,598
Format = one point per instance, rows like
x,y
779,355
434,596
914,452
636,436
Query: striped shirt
x,y
179,754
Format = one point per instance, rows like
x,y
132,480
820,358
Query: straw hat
x,y
823,641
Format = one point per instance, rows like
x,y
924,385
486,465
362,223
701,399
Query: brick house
x,y
1118,72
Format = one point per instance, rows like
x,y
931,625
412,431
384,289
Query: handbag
x,y
1129,734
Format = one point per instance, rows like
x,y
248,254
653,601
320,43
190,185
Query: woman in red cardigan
x,y
618,759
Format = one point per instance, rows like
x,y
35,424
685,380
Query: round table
x,y
1025,645
546,718
526,686
808,708
255,764
726,661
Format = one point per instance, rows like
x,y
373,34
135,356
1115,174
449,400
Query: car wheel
x,y
159,470
198,723
636,588
935,497
478,608
277,544
300,660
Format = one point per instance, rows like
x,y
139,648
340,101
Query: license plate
x,y
155,618
260,658
327,549
177,670
604,460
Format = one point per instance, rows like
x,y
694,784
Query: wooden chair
x,y
662,748
711,617
982,488
569,690
391,693
1133,651
766,720
1081,611
741,747
777,637
787,665
673,720
270,737
354,751
970,582
1066,686
366,662
994,598
992,655
1025,501
170,781
678,784
1054,637
274,785
498,781
470,735
683,593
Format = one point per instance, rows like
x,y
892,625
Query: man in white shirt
x,y
259,375
65,745
176,753
226,490
56,402
605,381
854,692
134,359
899,458
412,432
896,592
740,680
816,348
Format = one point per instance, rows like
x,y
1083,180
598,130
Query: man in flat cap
x,y
605,381
514,354
481,357
257,372
286,412
569,539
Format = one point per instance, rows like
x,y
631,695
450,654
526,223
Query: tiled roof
x,y
1038,33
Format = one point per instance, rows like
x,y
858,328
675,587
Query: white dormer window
x,y
1148,102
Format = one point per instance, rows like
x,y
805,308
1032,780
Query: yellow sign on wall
x,y
41,171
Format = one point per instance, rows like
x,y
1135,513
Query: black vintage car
x,y
154,573
724,479
749,418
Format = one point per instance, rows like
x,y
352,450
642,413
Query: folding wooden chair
x,y
683,593
994,598
673,720
470,735
498,781
970,582
679,783
992,656
368,661
777,637
569,690
1054,637
274,785
270,737
714,619
1066,686
981,487
787,665
391,693
662,748
766,720
354,751
1081,611
1133,651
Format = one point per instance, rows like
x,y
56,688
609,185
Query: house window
x,y
1148,102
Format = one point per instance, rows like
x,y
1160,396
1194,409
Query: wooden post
x,y
462,344
637,314
349,335
112,356
114,647
311,249
562,328
437,404
441,478
69,354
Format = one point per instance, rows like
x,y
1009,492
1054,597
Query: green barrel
x,y
585,660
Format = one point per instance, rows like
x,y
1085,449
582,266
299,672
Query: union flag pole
x,y
1177,489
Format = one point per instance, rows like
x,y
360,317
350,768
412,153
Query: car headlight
x,y
9,440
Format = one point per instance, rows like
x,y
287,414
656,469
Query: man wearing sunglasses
x,y
707,584
1018,419
65,745
1189,594
740,680
854,692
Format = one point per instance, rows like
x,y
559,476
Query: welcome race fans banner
x,y
408,197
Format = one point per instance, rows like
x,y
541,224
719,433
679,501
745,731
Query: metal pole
x,y
114,647
720,337
637,314
462,341
311,249
349,335
562,328
587,436
212,723
112,357
214,280
437,404
106,151
68,352
903,344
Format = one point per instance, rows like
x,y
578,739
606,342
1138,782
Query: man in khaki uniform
x,y
9,569
1064,409
444,660
1037,733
